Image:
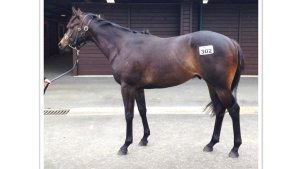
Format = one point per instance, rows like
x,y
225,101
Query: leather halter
x,y
85,28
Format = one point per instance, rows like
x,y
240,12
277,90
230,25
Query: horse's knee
x,y
128,116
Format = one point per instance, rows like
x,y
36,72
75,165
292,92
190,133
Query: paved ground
x,y
91,134
176,141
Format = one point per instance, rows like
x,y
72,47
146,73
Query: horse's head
x,y
76,34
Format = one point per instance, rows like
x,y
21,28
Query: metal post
x,y
200,14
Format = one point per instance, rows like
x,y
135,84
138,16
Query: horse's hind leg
x,y
219,110
140,100
233,108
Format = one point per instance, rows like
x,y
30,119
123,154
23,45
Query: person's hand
x,y
46,82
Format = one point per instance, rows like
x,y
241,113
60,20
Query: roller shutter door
x,y
249,38
160,19
239,22
92,60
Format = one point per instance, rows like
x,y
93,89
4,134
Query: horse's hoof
x,y
143,143
122,151
233,154
208,149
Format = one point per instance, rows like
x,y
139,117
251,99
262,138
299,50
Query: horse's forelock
x,y
71,22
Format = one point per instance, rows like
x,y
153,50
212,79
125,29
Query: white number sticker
x,y
206,50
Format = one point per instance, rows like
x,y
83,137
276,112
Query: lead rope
x,y
57,77
85,28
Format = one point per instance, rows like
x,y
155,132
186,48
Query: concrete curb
x,y
151,110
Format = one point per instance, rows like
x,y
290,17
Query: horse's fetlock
x,y
215,139
128,141
147,132
238,142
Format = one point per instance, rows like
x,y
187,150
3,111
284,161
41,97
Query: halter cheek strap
x,y
86,28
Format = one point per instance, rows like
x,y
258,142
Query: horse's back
x,y
203,38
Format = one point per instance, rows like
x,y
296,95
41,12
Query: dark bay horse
x,y
141,61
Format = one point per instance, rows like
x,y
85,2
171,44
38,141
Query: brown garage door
x,y
92,60
161,20
239,22
223,19
249,37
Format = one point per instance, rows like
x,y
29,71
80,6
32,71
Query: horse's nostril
x,y
59,44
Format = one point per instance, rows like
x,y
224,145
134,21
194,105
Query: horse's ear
x,y
74,10
79,11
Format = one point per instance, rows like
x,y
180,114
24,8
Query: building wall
x,y
50,43
248,37
237,21
161,20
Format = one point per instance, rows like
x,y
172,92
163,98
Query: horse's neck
x,y
108,40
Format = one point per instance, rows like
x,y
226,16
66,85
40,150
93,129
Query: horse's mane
x,y
104,22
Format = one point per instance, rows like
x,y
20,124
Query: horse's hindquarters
x,y
217,58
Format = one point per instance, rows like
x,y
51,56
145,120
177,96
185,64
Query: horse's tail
x,y
240,68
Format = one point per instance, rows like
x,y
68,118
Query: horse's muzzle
x,y
61,46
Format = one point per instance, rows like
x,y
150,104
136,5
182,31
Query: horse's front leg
x,y
141,103
128,95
